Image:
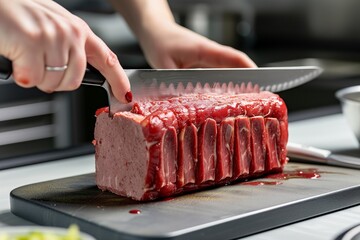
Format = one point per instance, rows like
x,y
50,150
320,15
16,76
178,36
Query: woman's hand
x,y
168,45
176,47
38,35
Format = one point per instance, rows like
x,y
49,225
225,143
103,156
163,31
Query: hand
x,y
173,46
168,45
35,34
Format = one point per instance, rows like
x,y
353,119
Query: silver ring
x,y
56,69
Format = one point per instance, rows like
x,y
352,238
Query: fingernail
x,y
129,96
24,81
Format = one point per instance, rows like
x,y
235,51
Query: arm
x,y
144,16
169,45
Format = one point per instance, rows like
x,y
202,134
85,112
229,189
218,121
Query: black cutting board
x,y
226,212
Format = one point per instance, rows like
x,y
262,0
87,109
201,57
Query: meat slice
x,y
225,149
205,167
257,126
272,131
166,173
170,146
242,147
187,159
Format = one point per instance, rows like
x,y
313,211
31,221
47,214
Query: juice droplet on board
x,y
261,183
134,211
308,173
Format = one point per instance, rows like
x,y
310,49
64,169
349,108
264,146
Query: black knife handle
x,y
5,68
92,75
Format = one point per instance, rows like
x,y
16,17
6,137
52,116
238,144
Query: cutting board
x,y
302,191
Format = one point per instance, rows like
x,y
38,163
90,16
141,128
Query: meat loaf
x,y
171,146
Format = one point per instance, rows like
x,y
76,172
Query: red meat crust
x,y
167,147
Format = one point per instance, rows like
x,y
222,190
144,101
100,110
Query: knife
x,y
155,82
308,154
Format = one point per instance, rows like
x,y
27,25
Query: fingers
x,y
47,35
74,73
69,51
236,58
216,55
56,55
71,45
163,61
103,59
26,70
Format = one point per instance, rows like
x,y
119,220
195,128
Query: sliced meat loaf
x,y
166,147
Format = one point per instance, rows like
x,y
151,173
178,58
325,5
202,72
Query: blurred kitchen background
x,y
36,127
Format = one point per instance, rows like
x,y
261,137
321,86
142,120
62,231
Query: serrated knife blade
x,y
274,79
155,82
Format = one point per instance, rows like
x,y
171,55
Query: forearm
x,y
144,16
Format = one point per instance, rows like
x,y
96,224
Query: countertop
x,y
329,132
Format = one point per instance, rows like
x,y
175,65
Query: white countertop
x,y
330,132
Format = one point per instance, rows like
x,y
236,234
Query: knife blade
x,y
308,154
272,79
155,82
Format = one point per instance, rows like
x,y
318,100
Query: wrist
x,y
144,16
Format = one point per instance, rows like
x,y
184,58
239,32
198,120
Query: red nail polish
x,y
129,96
24,81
